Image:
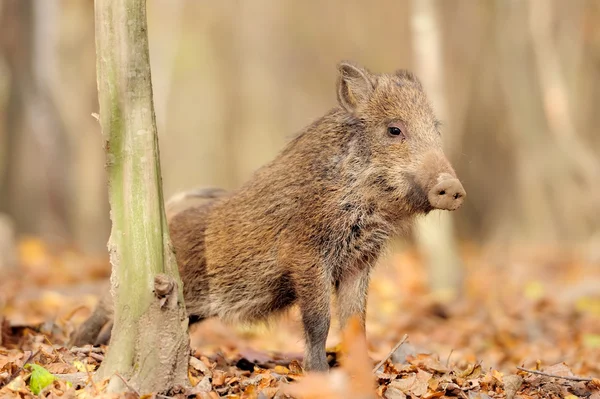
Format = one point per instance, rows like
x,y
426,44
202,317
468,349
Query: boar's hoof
x,y
448,195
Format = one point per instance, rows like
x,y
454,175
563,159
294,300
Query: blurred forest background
x,y
516,84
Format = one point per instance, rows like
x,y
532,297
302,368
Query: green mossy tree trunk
x,y
150,344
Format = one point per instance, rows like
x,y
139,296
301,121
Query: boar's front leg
x,y
313,290
351,297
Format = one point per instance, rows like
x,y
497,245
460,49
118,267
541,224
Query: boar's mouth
x,y
416,198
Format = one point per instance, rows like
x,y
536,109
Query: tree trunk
x,y
556,170
435,234
261,136
149,343
76,100
35,191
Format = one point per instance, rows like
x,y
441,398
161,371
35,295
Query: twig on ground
x,y
91,377
74,378
97,356
86,349
91,352
448,360
54,349
403,340
132,389
16,373
574,378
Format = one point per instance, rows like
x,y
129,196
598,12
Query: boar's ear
x,y
404,75
354,86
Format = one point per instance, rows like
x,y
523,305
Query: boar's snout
x,y
448,194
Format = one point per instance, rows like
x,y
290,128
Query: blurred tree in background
x,y
516,84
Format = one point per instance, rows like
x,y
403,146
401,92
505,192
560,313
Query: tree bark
x,y
435,234
149,344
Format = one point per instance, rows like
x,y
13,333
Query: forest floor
x,y
536,310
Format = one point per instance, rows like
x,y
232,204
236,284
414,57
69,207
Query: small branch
x,y
86,349
132,389
75,378
576,379
96,356
394,349
91,379
16,373
449,355
54,350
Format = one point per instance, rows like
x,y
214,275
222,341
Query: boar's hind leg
x,y
314,299
97,328
351,297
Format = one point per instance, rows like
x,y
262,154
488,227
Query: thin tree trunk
x,y
76,100
555,95
435,234
260,135
556,171
8,246
171,20
34,176
149,343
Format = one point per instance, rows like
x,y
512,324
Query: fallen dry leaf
x,y
466,349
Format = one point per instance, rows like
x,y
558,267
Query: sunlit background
x,y
515,83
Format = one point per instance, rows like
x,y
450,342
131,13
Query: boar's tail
x,y
186,199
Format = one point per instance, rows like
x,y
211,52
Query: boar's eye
x,y
396,131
